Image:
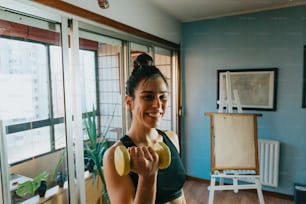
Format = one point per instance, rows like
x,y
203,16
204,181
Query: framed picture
x,y
256,88
304,81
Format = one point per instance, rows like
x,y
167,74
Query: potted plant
x,y
57,175
31,187
94,150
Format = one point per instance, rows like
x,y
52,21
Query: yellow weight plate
x,y
164,154
122,160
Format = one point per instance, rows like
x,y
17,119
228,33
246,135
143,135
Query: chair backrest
x,y
234,141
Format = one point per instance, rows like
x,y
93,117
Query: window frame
x,y
50,121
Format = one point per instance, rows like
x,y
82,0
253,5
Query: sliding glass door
x,y
101,96
32,107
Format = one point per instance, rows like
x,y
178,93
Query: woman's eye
x,y
151,97
165,96
148,97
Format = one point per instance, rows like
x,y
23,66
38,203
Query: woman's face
x,y
149,104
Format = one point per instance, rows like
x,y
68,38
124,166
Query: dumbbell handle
x,y
122,158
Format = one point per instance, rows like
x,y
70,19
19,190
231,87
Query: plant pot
x,y
89,165
42,188
60,179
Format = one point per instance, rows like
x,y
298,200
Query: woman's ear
x,y
128,101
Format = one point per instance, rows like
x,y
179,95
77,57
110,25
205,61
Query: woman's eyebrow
x,y
144,92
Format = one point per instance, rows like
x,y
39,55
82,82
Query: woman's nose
x,y
156,101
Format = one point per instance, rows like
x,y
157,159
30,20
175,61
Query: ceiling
x,y
192,10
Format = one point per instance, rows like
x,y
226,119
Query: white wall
x,y
140,14
28,7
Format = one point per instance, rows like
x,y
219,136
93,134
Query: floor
x,y
196,192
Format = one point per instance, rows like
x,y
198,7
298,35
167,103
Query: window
x,y
41,129
163,60
103,88
109,83
28,144
30,132
20,60
57,81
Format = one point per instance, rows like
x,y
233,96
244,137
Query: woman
x,y
146,98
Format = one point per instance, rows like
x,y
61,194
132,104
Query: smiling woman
x,y
146,98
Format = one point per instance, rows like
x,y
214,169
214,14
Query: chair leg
x,y
221,183
259,191
211,190
235,185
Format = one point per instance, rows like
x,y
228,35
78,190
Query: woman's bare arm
x,y
121,189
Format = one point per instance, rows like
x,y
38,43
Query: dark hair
x,y
143,72
143,59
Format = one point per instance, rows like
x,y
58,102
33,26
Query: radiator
x,y
268,152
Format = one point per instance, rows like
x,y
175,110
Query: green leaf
x,y
95,149
25,188
58,165
29,187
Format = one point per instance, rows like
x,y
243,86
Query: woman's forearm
x,y
146,190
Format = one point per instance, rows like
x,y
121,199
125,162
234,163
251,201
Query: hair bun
x,y
143,59
136,68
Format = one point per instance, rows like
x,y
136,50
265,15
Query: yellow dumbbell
x,y
122,158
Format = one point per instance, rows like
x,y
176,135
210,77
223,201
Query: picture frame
x,y
304,81
257,88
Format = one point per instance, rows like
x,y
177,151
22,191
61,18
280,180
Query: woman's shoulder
x,y
174,138
170,133
109,153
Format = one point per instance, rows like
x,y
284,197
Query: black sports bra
x,y
169,181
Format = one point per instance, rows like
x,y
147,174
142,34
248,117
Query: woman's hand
x,y
144,160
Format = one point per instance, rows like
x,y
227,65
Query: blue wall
x,y
259,40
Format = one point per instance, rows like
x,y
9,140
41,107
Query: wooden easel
x,y
234,152
226,100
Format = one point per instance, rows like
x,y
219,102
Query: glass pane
x,y
57,81
28,55
108,81
21,60
87,64
110,92
88,74
163,62
59,134
101,63
28,144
